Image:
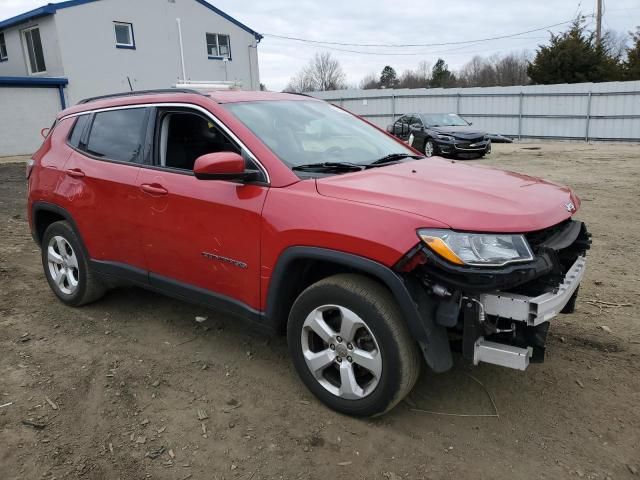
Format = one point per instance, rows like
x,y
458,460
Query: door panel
x,y
204,233
103,199
101,186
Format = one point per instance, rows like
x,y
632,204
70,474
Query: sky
x,y
385,22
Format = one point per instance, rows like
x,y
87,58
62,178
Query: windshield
x,y
308,132
444,120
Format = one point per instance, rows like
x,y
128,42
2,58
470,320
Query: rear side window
x,y
78,129
118,135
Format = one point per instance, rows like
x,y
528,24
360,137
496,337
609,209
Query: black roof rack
x,y
142,92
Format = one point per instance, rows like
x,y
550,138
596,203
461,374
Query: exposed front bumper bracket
x,y
500,354
535,310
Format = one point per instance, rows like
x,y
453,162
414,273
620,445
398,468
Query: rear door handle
x,y
153,189
75,172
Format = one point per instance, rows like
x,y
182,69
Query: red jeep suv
x,y
309,221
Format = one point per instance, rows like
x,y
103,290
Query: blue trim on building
x,y
52,8
63,102
58,82
49,9
230,18
34,81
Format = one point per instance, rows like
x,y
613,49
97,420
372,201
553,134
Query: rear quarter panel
x,y
48,170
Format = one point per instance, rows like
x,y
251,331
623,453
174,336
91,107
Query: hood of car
x,y
462,196
459,132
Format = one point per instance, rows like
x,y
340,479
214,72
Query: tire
x,y
430,148
337,306
64,259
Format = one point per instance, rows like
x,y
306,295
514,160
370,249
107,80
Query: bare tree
x,y
512,69
323,73
327,72
370,81
418,78
616,43
301,82
495,71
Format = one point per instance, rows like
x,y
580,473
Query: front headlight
x,y
448,138
477,249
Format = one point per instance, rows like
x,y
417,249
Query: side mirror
x,y
45,132
470,123
390,128
222,166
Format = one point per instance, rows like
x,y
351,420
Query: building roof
x,y
52,8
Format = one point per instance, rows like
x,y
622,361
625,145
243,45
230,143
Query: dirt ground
x,y
115,390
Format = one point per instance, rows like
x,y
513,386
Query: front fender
x,y
417,310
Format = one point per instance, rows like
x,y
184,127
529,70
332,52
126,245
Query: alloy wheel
x,y
341,352
63,265
428,148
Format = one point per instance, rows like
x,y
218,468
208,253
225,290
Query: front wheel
x,y
351,346
430,148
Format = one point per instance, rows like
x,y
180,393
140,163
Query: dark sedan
x,y
445,134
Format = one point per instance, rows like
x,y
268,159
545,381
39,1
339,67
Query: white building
x,y
82,48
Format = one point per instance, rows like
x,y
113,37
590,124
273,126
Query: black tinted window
x,y
78,128
118,134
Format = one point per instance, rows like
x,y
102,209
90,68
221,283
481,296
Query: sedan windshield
x,y
443,120
307,133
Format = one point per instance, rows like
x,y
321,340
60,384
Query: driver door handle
x,y
153,189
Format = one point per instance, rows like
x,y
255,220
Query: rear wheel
x,y
351,346
67,268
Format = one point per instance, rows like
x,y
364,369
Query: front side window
x,y
415,122
33,48
185,136
124,35
303,132
218,46
118,135
3,48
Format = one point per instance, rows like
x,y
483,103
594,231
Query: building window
x,y
124,35
33,47
218,46
3,48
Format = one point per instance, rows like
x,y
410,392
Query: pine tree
x,y
573,57
388,77
441,77
632,65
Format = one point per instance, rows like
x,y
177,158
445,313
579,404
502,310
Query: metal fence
x,y
585,111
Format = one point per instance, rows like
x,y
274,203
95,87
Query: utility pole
x,y
598,22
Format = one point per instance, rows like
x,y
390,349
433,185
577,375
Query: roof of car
x,y
178,95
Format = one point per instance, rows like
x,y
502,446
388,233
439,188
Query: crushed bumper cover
x,y
535,310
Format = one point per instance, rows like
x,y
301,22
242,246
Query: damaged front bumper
x,y
501,315
539,309
529,311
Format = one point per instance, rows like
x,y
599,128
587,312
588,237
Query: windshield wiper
x,y
393,157
329,166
